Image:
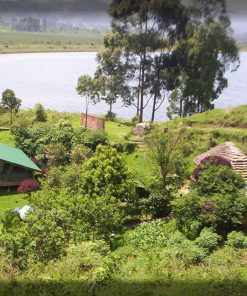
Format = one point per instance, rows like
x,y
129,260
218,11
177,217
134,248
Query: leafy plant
x,y
237,240
28,186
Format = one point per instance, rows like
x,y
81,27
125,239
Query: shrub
x,y
148,235
178,246
218,179
110,116
210,160
61,177
237,240
130,147
208,240
106,173
56,154
224,212
186,210
118,146
28,186
165,153
40,114
90,139
79,154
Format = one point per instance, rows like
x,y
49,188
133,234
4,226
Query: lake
x,y
51,78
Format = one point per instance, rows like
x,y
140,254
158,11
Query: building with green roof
x,y
15,166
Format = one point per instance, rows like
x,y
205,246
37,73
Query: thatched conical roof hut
x,y
229,151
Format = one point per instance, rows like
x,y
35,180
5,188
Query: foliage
x,y
165,152
90,139
74,206
106,174
10,103
218,179
139,30
110,116
79,154
178,246
237,240
217,200
28,186
208,240
109,79
217,160
201,82
58,139
40,113
149,235
43,235
56,154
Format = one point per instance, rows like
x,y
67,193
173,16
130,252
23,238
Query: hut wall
x,y
94,123
12,175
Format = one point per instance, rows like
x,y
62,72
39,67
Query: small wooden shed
x,y
15,166
92,122
229,151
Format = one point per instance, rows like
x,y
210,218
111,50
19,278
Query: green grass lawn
x,y
117,131
11,200
5,138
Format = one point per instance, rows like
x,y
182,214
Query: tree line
x,y
164,50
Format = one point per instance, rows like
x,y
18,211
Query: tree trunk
x,y
142,89
86,113
110,107
11,116
138,94
154,106
180,108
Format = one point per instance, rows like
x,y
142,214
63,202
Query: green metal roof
x,y
16,156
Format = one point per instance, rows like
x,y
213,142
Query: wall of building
x,y
94,123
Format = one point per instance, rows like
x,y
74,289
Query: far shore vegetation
x,y
35,42
32,42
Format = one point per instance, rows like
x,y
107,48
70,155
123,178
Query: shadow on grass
x,y
123,288
10,192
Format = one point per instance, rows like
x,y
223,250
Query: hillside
x,y
119,247
235,117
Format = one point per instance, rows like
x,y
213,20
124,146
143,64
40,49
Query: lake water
x,y
51,78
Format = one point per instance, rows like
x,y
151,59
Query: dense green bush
x,y
118,146
218,179
106,173
40,113
130,147
237,240
90,139
208,240
110,116
168,166
217,200
33,140
79,154
154,234
178,246
61,177
56,154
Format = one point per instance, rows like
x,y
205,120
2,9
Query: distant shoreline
x,y
63,50
56,49
52,50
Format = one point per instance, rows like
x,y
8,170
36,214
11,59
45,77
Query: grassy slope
x,y
5,138
147,275
12,42
214,126
11,200
229,118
